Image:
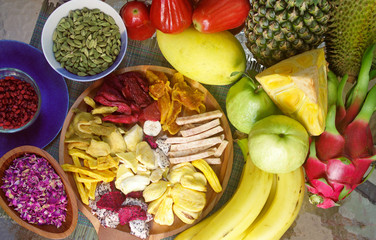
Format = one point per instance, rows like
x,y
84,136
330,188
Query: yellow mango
x,y
298,86
206,58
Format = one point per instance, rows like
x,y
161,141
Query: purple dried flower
x,y
35,190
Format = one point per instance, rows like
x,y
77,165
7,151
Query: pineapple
x,y
279,29
298,86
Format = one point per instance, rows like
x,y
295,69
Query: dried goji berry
x,y
18,102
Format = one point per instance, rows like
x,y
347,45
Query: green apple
x,y
278,144
246,103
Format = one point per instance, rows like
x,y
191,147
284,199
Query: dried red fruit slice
x,y
131,212
111,201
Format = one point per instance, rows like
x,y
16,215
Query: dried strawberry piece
x,y
131,212
111,201
137,194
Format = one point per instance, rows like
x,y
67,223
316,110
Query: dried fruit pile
x,y
124,139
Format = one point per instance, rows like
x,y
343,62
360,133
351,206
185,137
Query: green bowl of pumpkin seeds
x,y
84,40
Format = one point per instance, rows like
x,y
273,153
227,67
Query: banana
x,y
242,208
283,209
240,211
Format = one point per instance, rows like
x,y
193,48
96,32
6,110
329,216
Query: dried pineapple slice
x,y
196,181
188,199
298,86
165,214
187,217
155,190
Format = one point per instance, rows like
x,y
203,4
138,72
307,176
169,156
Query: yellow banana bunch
x,y
236,215
263,207
282,210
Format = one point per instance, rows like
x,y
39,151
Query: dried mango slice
x,y
190,97
298,87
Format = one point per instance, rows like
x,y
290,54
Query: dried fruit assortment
x,y
124,152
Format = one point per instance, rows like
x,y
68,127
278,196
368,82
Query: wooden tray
x,y
48,231
157,231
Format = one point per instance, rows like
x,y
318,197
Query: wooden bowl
x,y
48,231
157,231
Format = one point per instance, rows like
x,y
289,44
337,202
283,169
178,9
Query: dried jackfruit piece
x,y
155,190
179,170
187,217
165,214
154,205
196,181
188,199
298,86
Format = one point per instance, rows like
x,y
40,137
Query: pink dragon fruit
x,y
340,157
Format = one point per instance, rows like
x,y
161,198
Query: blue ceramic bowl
x,y
63,11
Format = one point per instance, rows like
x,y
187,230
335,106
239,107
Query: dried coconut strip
x,y
213,160
221,148
200,129
208,153
188,152
202,135
199,117
199,143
